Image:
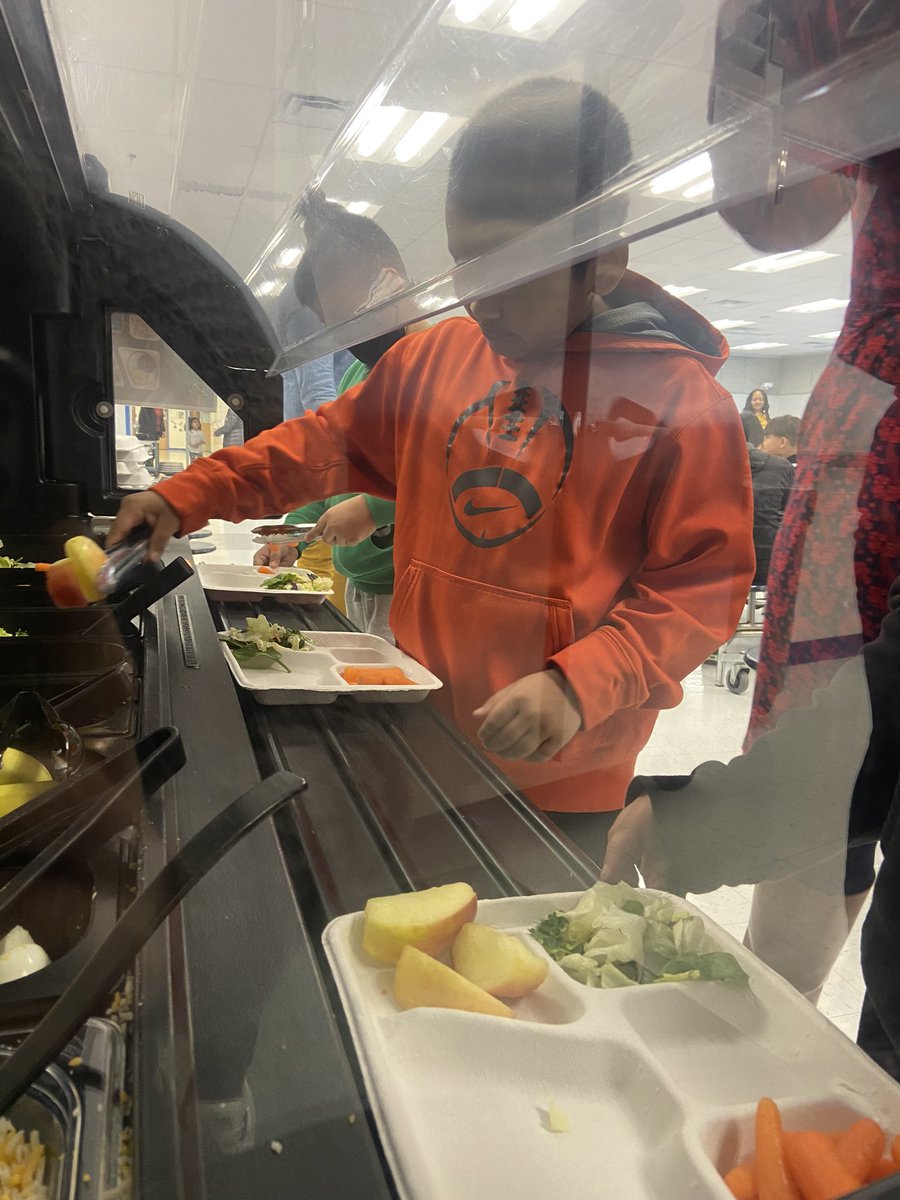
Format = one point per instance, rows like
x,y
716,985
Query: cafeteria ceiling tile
x,y
247,42
115,98
126,154
198,209
280,172
229,112
139,37
216,165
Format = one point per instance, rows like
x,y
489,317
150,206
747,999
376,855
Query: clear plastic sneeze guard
x,y
714,115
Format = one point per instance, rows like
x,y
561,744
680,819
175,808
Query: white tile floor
x,y
708,724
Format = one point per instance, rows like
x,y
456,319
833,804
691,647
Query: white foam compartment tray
x,y
659,1082
315,675
240,581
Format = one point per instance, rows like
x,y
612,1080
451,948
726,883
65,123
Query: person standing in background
x,y
346,256
757,403
231,431
781,437
307,388
195,440
771,478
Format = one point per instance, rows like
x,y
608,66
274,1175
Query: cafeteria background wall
x,y
792,379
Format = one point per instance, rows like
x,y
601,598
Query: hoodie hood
x,y
644,316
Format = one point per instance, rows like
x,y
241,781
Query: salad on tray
x,y
616,936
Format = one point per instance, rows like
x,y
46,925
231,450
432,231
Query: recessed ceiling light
x,y
675,289
289,257
678,177
783,262
698,190
467,11
271,288
378,128
816,306
525,14
759,346
419,135
826,337
731,324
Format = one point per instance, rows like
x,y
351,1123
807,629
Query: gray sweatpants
x,y
369,613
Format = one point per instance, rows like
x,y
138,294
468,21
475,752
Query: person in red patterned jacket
x,y
838,550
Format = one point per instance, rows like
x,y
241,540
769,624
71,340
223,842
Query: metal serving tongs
x,y
92,985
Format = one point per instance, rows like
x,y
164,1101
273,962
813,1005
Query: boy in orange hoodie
x,y
574,513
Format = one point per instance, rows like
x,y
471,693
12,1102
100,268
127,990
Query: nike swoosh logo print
x,y
475,510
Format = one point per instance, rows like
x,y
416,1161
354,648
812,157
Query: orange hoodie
x,y
607,533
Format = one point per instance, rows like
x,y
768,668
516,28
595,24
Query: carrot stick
x,y
265,570
741,1182
895,1149
815,1168
772,1179
881,1170
861,1146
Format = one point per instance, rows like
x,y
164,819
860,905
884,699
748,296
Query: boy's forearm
x,y
321,454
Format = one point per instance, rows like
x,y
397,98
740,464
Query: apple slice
x,y
428,920
421,981
86,558
497,962
63,587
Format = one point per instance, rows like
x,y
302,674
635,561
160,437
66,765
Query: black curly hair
x,y
748,407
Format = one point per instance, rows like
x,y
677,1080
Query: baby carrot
x,y
772,1179
861,1146
895,1149
815,1167
741,1182
881,1170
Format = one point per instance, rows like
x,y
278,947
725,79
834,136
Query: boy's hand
x,y
145,508
347,524
633,844
531,719
275,556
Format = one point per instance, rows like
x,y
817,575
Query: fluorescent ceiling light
x,y
816,306
419,135
675,289
728,324
266,288
759,346
289,257
378,128
687,172
783,262
467,11
826,337
696,190
525,14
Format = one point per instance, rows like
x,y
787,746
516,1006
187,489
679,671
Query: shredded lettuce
x,y
256,648
298,581
7,561
616,936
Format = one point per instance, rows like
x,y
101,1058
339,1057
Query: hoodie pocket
x,y
477,637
